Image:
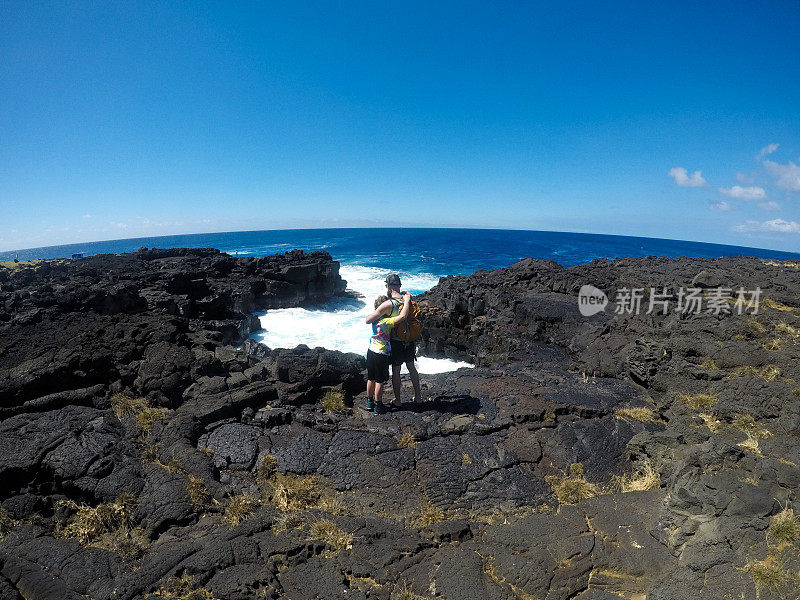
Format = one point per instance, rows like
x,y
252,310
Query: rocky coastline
x,y
149,449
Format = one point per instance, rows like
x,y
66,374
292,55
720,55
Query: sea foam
x,y
339,324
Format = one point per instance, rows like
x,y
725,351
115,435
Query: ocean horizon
x,y
564,247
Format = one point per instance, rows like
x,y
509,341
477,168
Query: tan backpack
x,y
410,329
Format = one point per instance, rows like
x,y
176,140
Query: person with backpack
x,y
403,338
379,353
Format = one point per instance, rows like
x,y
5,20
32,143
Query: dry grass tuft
x,y
266,469
402,591
784,526
710,364
331,504
6,523
146,418
466,459
107,525
333,402
777,305
363,584
23,264
773,345
782,264
88,523
136,408
269,464
182,588
696,401
288,521
126,406
150,453
173,466
751,445
637,413
197,491
713,424
406,440
293,493
747,423
750,480
644,478
789,330
330,533
572,488
757,327
239,508
767,574
427,514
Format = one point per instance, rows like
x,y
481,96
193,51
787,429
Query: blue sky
x,y
141,118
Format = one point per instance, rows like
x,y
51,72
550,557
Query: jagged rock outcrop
x,y
146,445
721,391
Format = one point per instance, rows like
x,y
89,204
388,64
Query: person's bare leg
x,y
370,389
412,371
378,392
396,387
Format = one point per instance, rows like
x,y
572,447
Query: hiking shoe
x,y
380,408
370,405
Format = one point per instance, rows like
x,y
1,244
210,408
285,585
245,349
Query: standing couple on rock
x,y
392,342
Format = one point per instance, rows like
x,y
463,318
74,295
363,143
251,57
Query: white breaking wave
x,y
339,324
370,281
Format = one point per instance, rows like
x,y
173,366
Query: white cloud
x,y
768,149
683,179
87,216
779,225
787,177
744,193
769,205
744,178
721,206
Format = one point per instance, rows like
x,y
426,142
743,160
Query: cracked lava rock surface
x,y
148,448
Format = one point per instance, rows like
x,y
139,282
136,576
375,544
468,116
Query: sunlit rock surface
x,y
147,448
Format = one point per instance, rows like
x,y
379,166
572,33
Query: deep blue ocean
x,y
432,251
419,256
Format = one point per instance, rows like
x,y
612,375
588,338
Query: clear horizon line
x,y
394,227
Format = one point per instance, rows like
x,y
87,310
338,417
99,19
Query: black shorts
x,y
402,352
377,366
